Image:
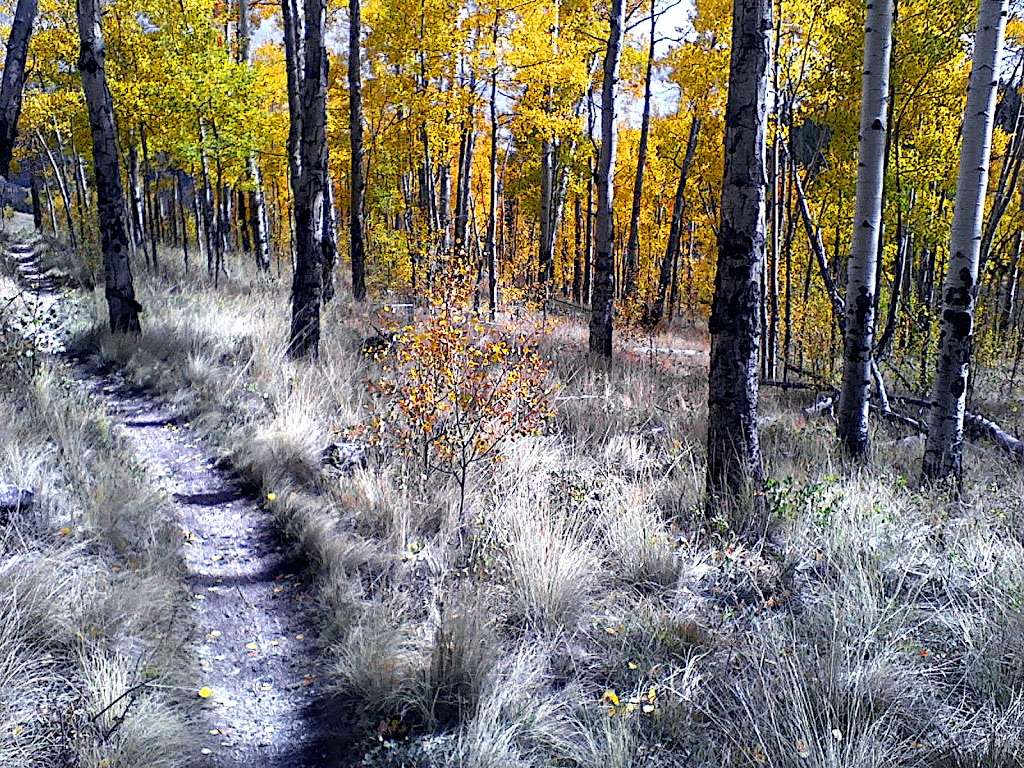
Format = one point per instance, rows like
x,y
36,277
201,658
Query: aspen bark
x,y
492,188
149,207
734,456
943,455
259,221
545,259
120,292
357,184
12,83
603,305
60,178
293,70
633,241
676,227
135,197
867,226
307,280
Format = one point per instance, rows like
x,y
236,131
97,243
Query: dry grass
x,y
88,589
882,626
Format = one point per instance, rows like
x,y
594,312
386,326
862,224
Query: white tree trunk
x,y
867,227
944,449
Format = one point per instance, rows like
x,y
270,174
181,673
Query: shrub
x,y
454,390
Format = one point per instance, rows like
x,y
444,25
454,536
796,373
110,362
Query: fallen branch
x,y
823,405
979,426
976,425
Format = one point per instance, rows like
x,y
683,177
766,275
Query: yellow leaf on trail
x,y
252,646
65,531
205,692
271,496
611,697
803,749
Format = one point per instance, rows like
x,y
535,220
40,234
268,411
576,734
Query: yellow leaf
x,y
205,692
611,697
803,749
252,646
271,496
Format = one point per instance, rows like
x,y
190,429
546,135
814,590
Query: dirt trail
x,y
254,642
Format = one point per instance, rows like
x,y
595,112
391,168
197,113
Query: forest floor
x,y
589,619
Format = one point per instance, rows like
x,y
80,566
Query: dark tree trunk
x,y
492,189
357,244
467,144
123,308
577,261
545,257
37,204
633,240
150,204
734,456
179,194
292,22
13,82
675,230
603,305
307,282
588,248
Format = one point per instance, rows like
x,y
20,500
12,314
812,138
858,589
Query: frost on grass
x,y
87,592
572,615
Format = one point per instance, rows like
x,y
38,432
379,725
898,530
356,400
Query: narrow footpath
x,y
254,647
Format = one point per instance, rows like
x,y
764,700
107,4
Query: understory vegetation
x,y
91,655
578,611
